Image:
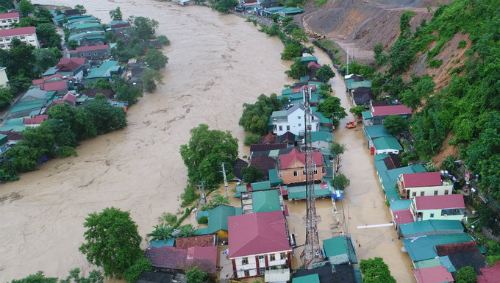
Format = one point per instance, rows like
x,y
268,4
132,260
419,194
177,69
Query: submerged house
x,y
291,167
423,184
447,207
292,120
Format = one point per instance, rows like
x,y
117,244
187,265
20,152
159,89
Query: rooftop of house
x,y
93,47
238,166
391,110
339,250
264,163
423,247
269,138
402,216
257,233
54,86
12,136
265,147
109,94
440,261
427,179
392,161
400,204
17,31
433,275
104,70
205,258
289,159
266,201
166,257
200,241
439,202
311,278
427,226
377,131
67,97
217,217
387,143
313,64
70,64
287,137
42,80
10,15
260,186
35,120
489,275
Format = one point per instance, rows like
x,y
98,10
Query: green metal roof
x,y
202,231
274,178
102,71
290,11
321,136
88,25
446,262
351,84
335,246
392,194
322,118
266,201
305,78
274,153
259,186
380,156
26,105
3,139
308,59
287,91
299,192
278,114
241,188
313,278
367,115
426,226
400,204
441,261
418,168
160,243
377,131
217,218
422,247
387,143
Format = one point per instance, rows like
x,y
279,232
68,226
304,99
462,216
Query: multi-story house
x,y
259,244
291,167
94,52
6,19
423,184
292,120
446,207
27,35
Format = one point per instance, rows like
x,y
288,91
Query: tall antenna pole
x,y
201,187
312,252
225,179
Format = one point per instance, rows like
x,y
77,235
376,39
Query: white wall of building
x,y
294,123
25,38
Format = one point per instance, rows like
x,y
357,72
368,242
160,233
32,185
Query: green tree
x,y
21,60
466,275
145,28
104,116
41,138
127,93
255,116
43,14
24,158
217,200
252,174
150,79
340,182
26,8
300,35
297,69
331,108
45,58
163,40
195,275
101,84
110,37
292,50
73,44
189,195
116,14
204,153
134,272
325,73
379,55
337,148
155,59
5,97
358,110
112,241
39,277
375,271
81,9
395,124
224,6
48,36
250,139
95,276
78,122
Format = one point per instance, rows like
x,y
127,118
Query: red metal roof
x,y
299,89
257,233
166,257
54,86
427,179
287,160
35,120
313,64
70,64
205,258
490,275
436,274
440,202
17,31
269,138
13,136
93,47
390,110
402,216
42,80
200,241
9,15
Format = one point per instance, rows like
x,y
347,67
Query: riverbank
x,y
215,61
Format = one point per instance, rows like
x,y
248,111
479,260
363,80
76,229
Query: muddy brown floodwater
x,y
217,63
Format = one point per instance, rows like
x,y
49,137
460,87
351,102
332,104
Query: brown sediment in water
x,y
216,63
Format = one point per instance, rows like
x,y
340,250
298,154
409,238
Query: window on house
x,y
422,194
3,21
323,170
282,255
247,273
261,258
95,53
446,192
414,194
281,128
9,20
272,257
435,192
295,173
432,215
299,117
22,37
288,127
244,260
89,53
315,171
300,125
262,270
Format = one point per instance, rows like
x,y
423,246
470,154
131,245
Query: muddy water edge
x,y
217,63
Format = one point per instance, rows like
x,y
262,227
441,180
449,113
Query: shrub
x,y
462,44
135,271
203,220
251,138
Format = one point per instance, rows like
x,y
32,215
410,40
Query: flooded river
x,y
217,63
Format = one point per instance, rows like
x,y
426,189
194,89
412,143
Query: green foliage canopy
x,y
325,73
466,275
150,78
255,116
395,124
156,59
375,271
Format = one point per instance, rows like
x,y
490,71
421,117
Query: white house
x,y
259,245
446,207
4,80
292,120
423,184
27,35
6,19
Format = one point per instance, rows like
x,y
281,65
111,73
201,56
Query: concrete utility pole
x,y
225,180
347,61
201,187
